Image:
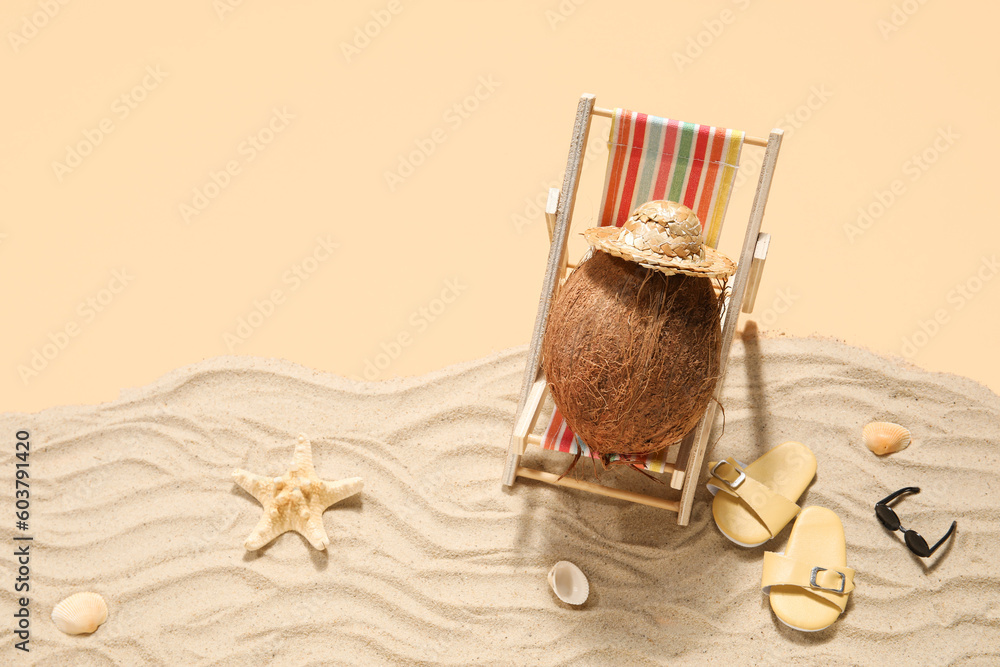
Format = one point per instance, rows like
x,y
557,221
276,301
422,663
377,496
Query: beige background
x,y
859,89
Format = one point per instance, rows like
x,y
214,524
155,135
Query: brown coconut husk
x,y
631,354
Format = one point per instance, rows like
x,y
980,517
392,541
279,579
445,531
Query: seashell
x,y
80,613
569,583
886,437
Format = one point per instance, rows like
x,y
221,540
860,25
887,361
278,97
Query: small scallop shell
x,y
80,613
569,583
886,437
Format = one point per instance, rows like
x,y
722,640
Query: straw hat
x,y
665,236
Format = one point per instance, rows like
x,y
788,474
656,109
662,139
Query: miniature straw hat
x,y
665,236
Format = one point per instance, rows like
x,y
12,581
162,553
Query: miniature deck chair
x,y
649,158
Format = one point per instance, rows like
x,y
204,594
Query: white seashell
x,y
80,613
569,583
886,437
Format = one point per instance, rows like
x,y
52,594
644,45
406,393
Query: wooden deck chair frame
x,y
558,213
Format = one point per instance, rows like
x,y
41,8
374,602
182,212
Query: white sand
x,y
434,561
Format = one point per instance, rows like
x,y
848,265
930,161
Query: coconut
x,y
632,354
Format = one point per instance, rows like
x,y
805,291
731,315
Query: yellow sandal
x,y
809,584
758,500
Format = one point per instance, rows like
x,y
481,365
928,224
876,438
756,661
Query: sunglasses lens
x,y
887,517
917,544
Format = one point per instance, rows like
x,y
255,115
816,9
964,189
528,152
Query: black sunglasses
x,y
914,541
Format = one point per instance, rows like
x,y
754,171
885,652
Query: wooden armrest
x,y
551,206
756,270
529,415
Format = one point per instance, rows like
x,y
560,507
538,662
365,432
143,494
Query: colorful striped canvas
x,y
659,158
559,437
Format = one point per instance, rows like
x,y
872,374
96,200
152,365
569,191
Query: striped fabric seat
x,y
659,158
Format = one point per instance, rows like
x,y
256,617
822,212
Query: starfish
x,y
295,501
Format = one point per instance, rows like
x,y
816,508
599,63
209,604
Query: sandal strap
x,y
772,509
832,583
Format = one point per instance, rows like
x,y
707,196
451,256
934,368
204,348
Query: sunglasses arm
x,y
946,536
893,496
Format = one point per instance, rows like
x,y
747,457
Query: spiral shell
x,y
80,613
886,437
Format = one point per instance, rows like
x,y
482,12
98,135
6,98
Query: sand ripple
x,y
434,562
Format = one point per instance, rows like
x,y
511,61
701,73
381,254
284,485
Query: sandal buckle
x,y
732,485
817,570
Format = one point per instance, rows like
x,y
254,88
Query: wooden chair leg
x,y
740,281
553,271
